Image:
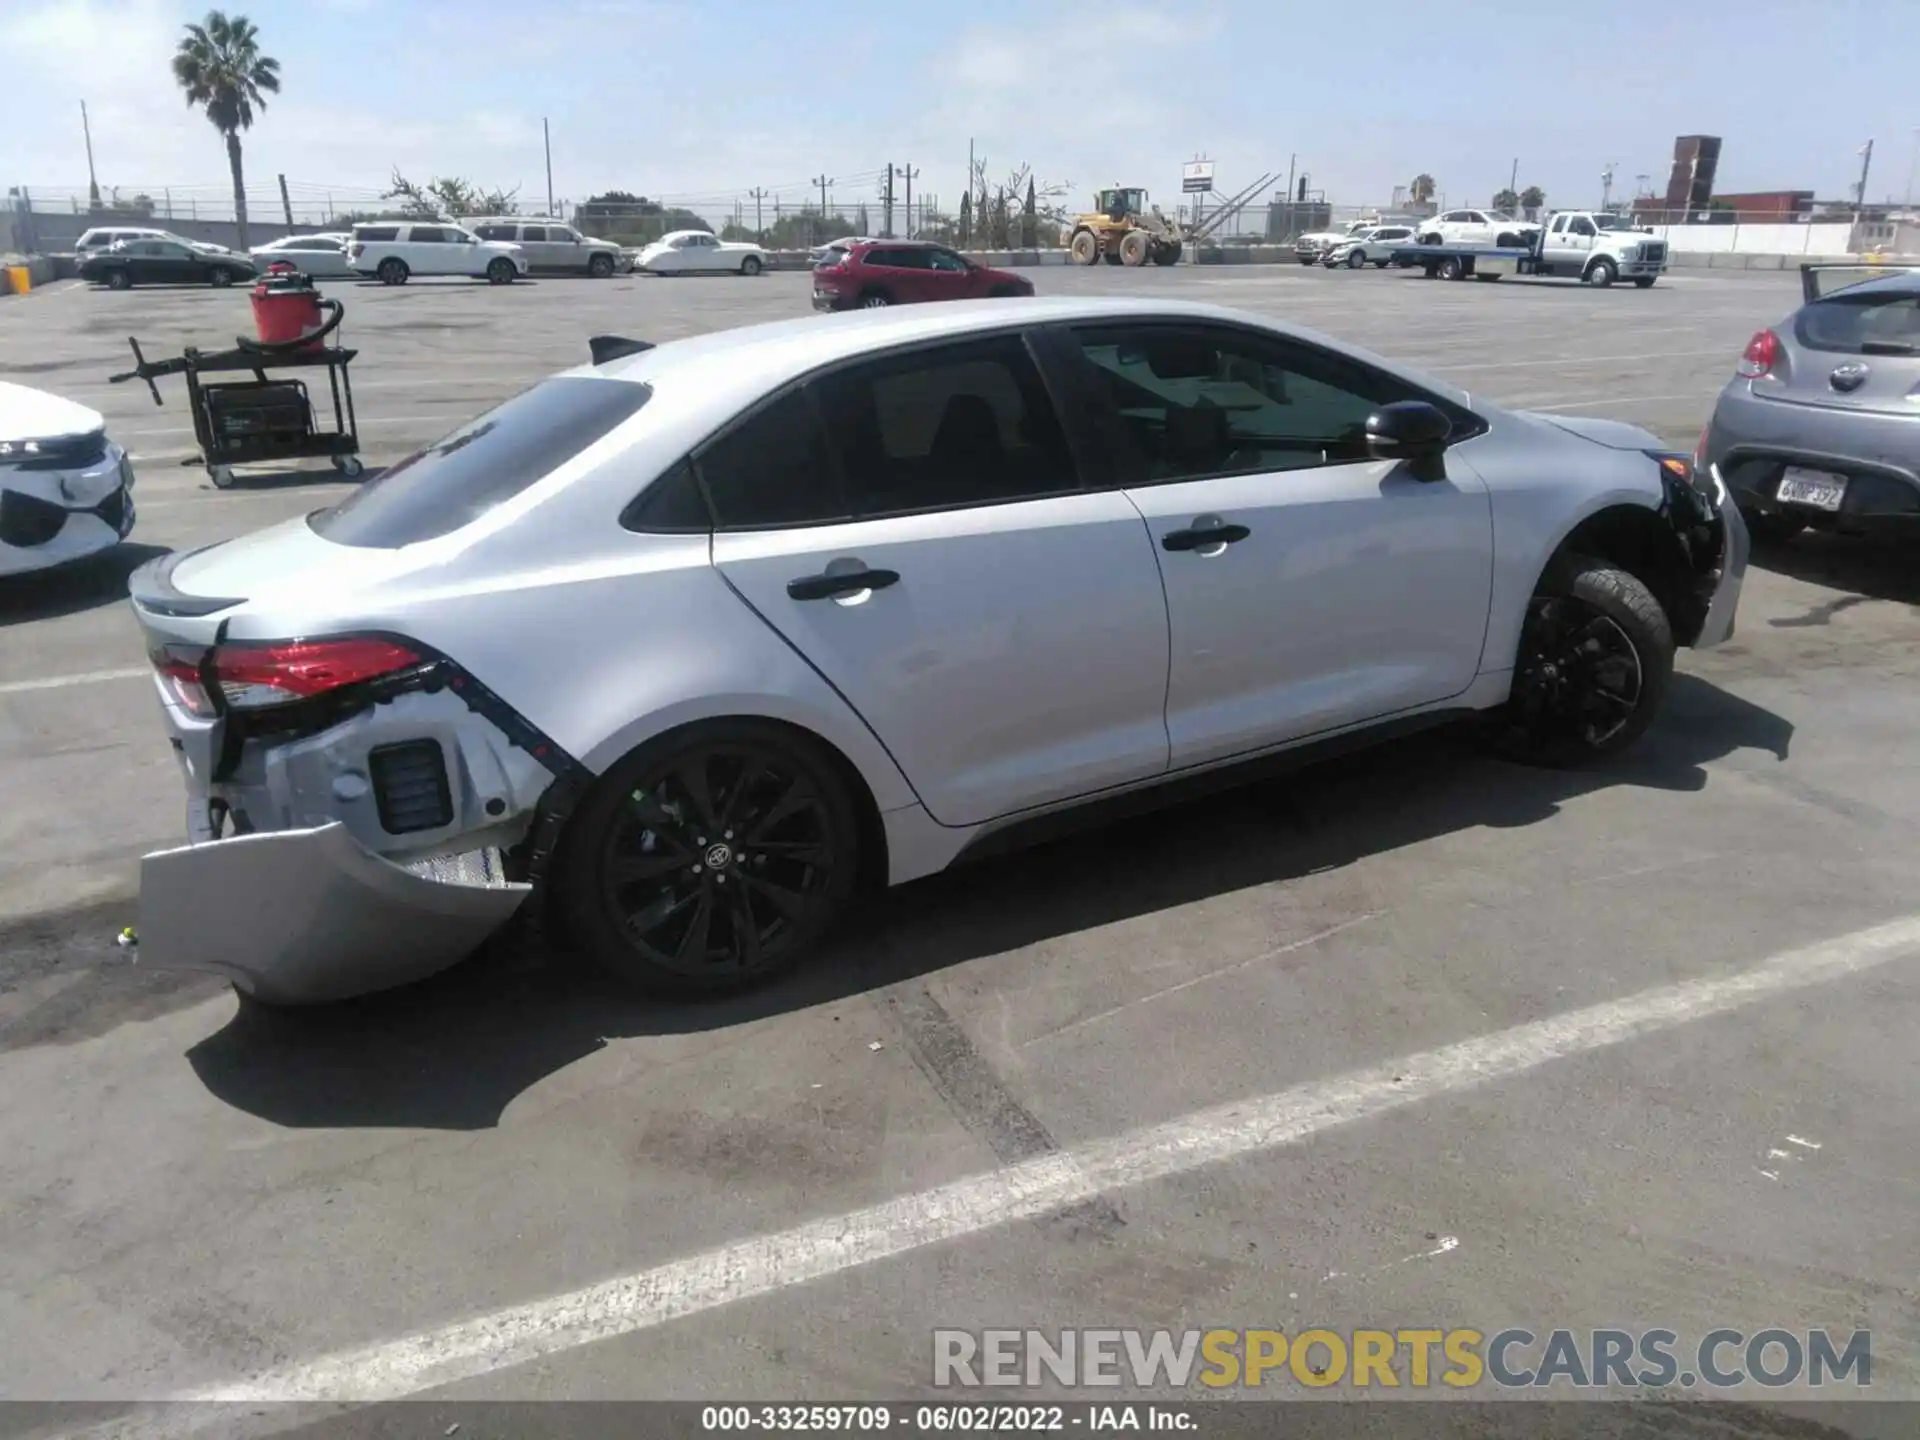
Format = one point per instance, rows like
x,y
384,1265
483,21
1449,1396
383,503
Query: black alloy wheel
x,y
1594,665
712,863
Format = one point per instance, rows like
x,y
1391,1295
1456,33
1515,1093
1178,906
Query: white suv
x,y
394,251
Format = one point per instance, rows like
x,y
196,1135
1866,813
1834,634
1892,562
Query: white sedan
x,y
322,256
1478,227
698,252
66,490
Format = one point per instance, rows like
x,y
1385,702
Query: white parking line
x,y
819,1248
62,682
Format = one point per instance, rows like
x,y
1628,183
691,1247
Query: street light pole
x,y
547,141
93,185
1913,166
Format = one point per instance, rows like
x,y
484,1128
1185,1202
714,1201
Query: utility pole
x,y
1513,182
758,195
286,205
546,140
886,219
93,185
1913,166
1866,164
823,180
1606,185
907,173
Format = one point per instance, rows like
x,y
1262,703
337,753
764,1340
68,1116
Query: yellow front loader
x,y
1125,228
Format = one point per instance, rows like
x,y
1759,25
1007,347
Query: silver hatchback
x,y
1820,425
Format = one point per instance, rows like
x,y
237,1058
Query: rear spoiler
x,y
1811,288
615,347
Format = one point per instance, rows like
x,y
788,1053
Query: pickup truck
x,y
1587,245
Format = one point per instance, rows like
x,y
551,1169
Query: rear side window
x,y
772,470
527,232
455,481
377,232
494,232
1887,323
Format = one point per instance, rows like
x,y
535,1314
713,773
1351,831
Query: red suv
x,y
867,274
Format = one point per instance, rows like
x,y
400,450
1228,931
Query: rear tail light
x,y
354,251
1762,354
257,676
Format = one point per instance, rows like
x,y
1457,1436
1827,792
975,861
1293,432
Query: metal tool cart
x,y
257,421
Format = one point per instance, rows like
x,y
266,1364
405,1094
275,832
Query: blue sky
x,y
708,98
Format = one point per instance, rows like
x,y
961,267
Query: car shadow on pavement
x,y
454,1051
289,477
1878,567
77,586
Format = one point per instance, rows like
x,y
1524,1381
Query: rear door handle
x,y
1200,537
828,584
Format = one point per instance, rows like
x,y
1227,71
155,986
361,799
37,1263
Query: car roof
x,y
676,234
899,244
751,360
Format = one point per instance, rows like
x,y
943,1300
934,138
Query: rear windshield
x,y
455,481
832,255
1883,323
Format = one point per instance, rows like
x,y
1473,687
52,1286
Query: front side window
x,y
453,482
1199,400
1582,227
963,424
948,261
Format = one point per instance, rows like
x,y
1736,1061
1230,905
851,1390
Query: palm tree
x,y
221,69
1423,188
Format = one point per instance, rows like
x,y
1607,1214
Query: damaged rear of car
x,y
359,802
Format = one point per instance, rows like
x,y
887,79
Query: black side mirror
x,y
1412,431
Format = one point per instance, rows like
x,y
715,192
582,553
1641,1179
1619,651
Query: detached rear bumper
x,y
1735,547
296,917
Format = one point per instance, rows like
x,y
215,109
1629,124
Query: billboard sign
x,y
1196,177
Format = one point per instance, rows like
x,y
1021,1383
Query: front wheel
x,y
119,280
709,860
750,265
600,266
500,272
1593,669
1357,260
1643,282
1602,274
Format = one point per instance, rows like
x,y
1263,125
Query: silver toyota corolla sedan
x,y
697,641
1820,425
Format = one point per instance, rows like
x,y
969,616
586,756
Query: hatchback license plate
x,y
1812,487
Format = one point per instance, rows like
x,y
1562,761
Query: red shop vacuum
x,y
289,316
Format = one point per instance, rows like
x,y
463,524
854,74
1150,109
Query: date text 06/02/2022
x,y
1456,1358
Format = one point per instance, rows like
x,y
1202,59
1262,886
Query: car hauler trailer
x,y
1576,244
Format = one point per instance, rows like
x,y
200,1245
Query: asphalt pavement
x,y
1417,1039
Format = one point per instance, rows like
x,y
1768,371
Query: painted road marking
x,y
62,682
1031,1189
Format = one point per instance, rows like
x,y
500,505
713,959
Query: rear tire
x,y
119,280
875,300
1084,248
1644,282
392,271
220,277
661,879
1594,665
1450,268
1602,273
